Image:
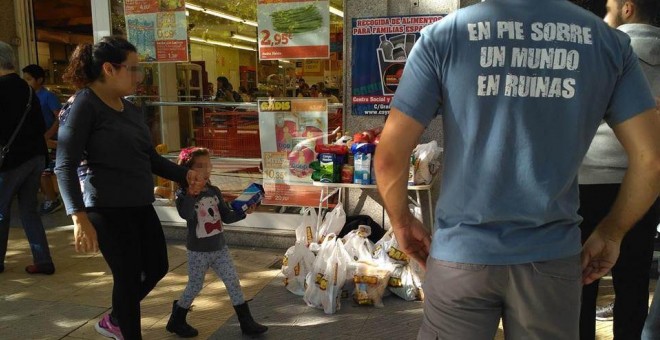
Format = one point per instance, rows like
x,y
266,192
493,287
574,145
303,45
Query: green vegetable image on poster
x,y
297,20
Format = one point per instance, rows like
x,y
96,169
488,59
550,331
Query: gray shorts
x,y
539,300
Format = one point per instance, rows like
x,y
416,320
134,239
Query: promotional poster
x,y
293,29
158,29
290,129
380,49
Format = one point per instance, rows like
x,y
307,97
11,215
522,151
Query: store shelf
x,y
365,186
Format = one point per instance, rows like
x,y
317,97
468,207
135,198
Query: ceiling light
x,y
222,43
220,14
336,12
243,37
284,61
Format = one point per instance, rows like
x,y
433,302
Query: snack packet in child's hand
x,y
252,195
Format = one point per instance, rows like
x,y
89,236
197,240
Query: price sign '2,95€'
x,y
294,29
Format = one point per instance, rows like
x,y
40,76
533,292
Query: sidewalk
x,y
68,304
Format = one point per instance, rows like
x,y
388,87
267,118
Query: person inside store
x,y
300,85
304,91
515,133
113,212
35,76
600,178
210,91
226,91
314,91
245,96
332,99
22,159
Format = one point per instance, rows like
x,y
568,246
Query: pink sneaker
x,y
106,328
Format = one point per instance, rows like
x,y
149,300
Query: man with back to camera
x,y
600,178
522,87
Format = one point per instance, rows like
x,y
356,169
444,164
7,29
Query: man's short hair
x,y
35,71
646,11
7,57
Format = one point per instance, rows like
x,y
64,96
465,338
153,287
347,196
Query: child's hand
x,y
251,209
196,182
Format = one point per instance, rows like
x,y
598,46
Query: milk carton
x,y
362,160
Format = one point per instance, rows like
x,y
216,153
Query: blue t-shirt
x,y
522,86
49,105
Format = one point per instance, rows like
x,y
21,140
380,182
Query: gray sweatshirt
x,y
606,161
205,214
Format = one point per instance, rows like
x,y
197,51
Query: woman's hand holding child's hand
x,y
84,234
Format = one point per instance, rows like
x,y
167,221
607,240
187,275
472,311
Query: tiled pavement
x,y
67,304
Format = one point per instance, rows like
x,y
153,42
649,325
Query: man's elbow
x,y
385,162
649,163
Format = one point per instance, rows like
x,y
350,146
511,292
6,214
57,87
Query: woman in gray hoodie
x,y
600,178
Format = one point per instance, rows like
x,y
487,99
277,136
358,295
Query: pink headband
x,y
186,154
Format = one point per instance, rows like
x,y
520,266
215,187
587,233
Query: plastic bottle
x,y
387,47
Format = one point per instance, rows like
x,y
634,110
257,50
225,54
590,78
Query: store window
x,y
59,27
217,89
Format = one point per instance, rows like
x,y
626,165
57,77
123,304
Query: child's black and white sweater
x,y
205,215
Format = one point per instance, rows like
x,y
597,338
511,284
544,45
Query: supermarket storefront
x,y
224,39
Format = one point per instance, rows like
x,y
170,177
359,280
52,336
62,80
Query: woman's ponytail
x,y
80,71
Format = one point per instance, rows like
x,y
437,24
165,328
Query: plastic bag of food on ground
x,y
312,296
298,261
386,251
405,283
358,246
370,283
306,230
332,223
325,282
427,161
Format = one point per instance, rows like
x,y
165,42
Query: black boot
x,y
177,323
248,325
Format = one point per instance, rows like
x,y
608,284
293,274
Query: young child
x,y
205,214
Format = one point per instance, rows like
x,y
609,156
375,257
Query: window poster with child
x,y
158,28
380,50
290,129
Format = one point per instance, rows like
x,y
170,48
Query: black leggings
x,y
630,274
132,243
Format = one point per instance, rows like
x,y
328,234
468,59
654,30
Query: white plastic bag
x,y
333,222
306,232
427,162
312,294
325,282
370,283
405,283
358,246
386,251
298,261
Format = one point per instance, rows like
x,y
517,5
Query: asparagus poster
x,y
380,50
158,28
293,29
